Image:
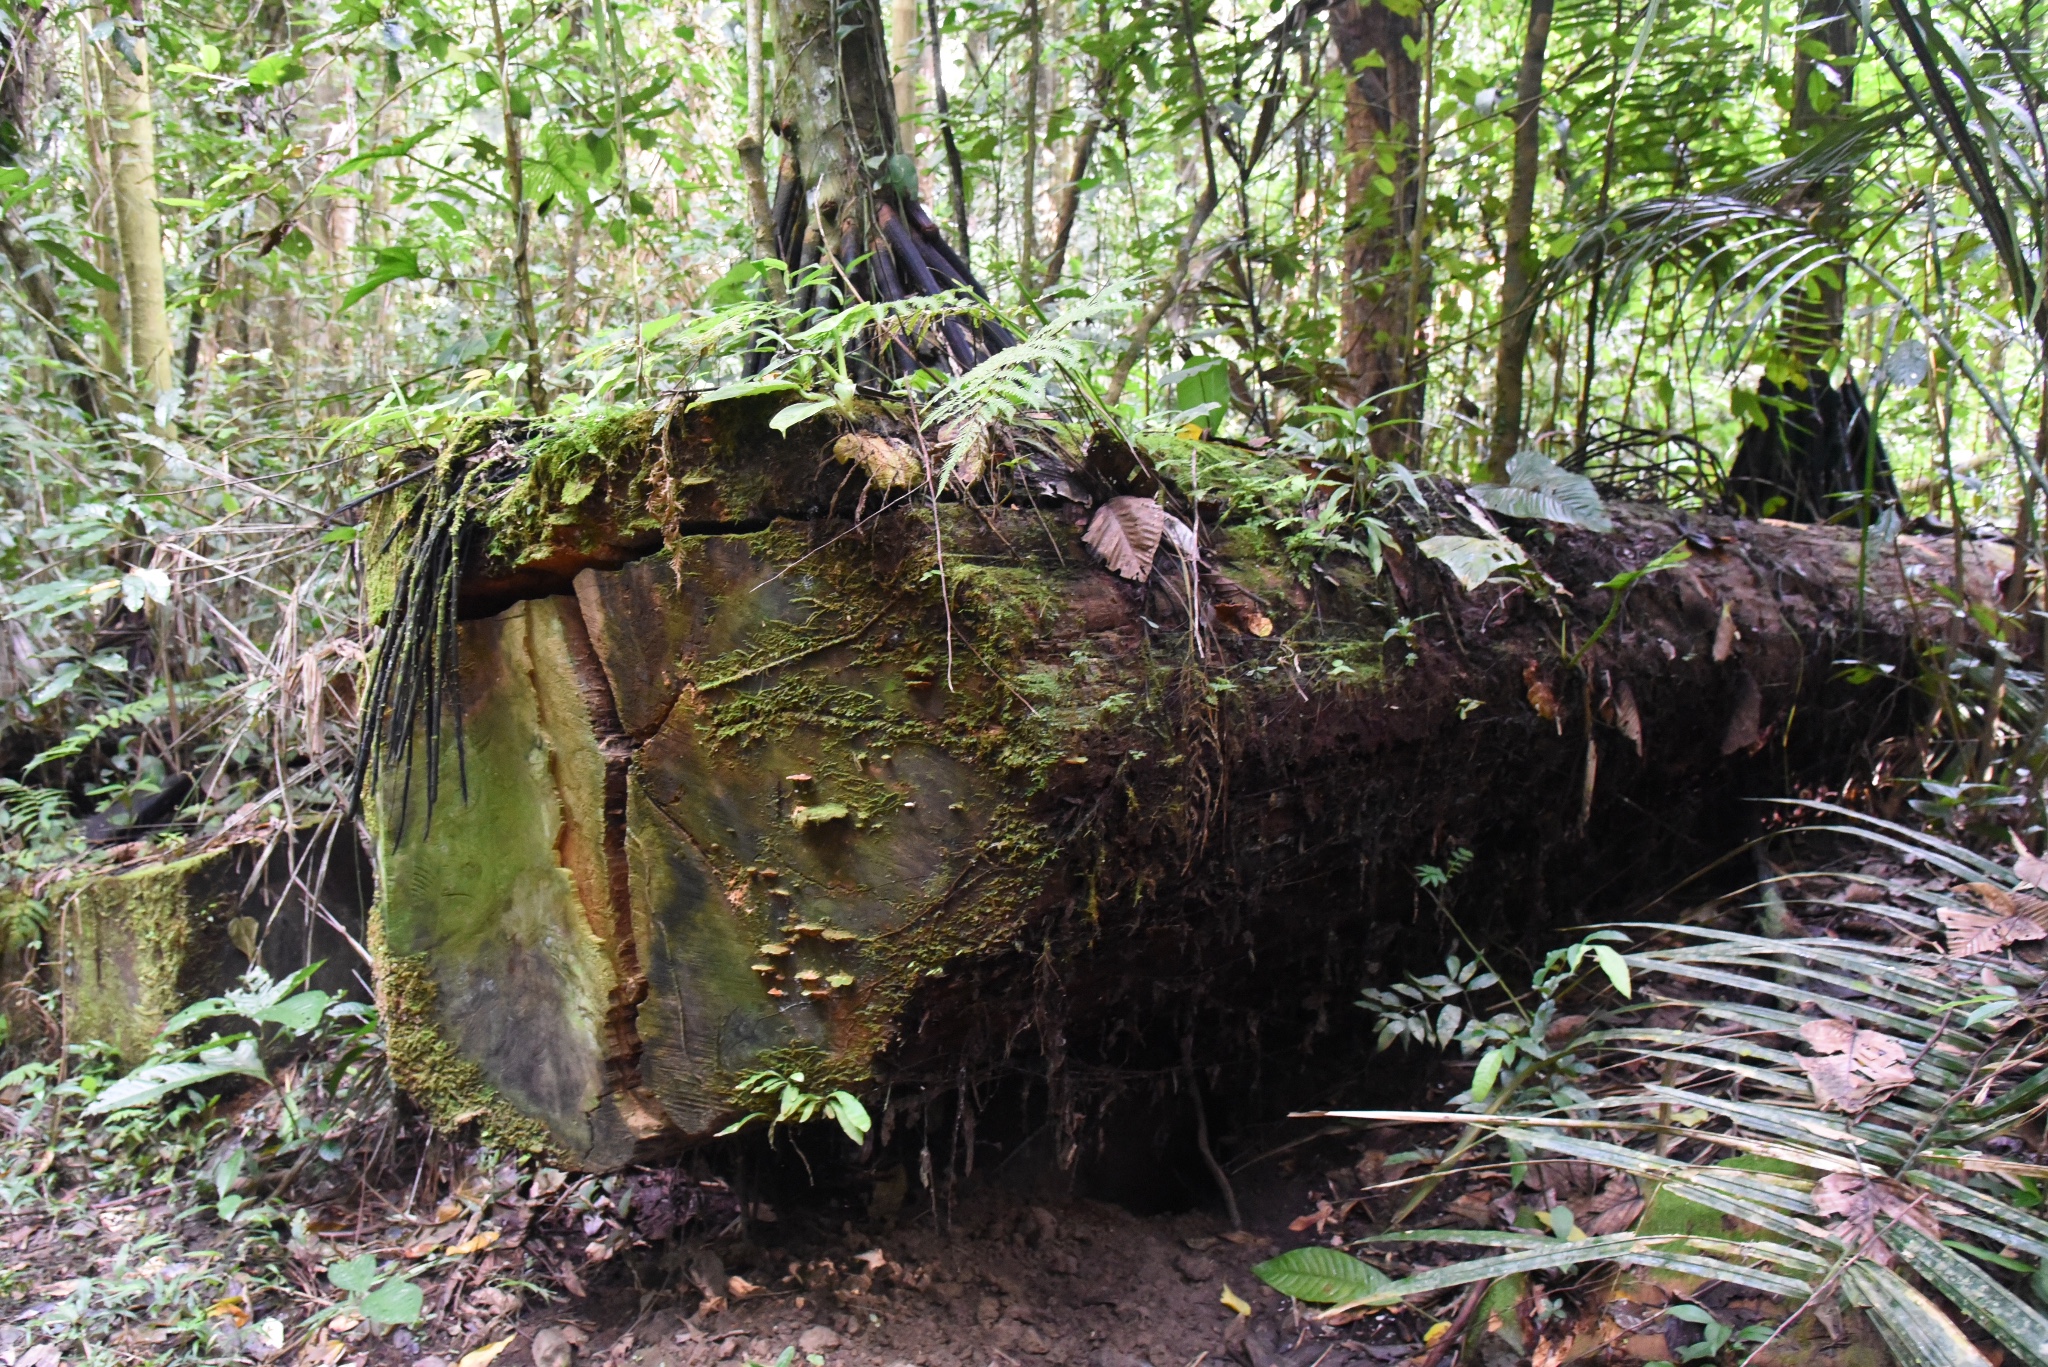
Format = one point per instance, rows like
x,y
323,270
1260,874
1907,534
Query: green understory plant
x,y
795,1104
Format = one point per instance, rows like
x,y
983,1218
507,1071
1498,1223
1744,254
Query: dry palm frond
x,y
1877,1076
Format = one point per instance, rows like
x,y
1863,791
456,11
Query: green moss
x,y
1009,607
573,467
1666,1212
452,1090
140,946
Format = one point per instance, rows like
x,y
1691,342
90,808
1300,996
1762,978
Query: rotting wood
x,y
835,865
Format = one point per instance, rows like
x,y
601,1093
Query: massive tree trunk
x,y
741,783
1384,272
1518,276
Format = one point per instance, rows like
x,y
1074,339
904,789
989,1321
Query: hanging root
x,y
414,682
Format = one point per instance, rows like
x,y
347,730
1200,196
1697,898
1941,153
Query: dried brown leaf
x,y
888,462
1746,723
1235,605
2032,870
970,444
1856,1067
2006,903
1541,696
1829,1036
1858,1202
1613,1208
1627,716
1725,635
1125,532
1969,933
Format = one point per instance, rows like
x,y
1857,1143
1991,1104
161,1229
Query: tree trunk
x,y
1085,137
720,806
1518,278
123,69
1822,90
955,168
38,288
1382,205
848,191
903,24
1817,455
522,223
20,53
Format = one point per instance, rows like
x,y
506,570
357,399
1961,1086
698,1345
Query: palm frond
x,y
1881,1203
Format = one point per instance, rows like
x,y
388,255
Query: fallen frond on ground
x,y
1843,1114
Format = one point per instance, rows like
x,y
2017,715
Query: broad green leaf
x,y
385,151
397,1301
797,412
1474,559
158,1080
853,1117
82,268
745,389
267,73
298,1014
1539,488
1616,969
357,1275
1204,384
391,263
1487,1073
735,285
1321,1275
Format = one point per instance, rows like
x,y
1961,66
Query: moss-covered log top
x,y
744,783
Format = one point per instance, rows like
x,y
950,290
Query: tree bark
x,y
1382,180
1027,198
1084,152
131,137
753,146
522,222
20,54
768,830
1070,200
954,166
1817,455
903,25
847,190
1518,278
106,245
1822,90
38,289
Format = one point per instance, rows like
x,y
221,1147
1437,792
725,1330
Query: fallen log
x,y
747,766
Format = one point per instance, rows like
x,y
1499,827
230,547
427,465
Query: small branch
x,y
1222,1178
1467,1308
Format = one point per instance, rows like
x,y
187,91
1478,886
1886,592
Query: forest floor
x,y
162,1240
1016,1276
